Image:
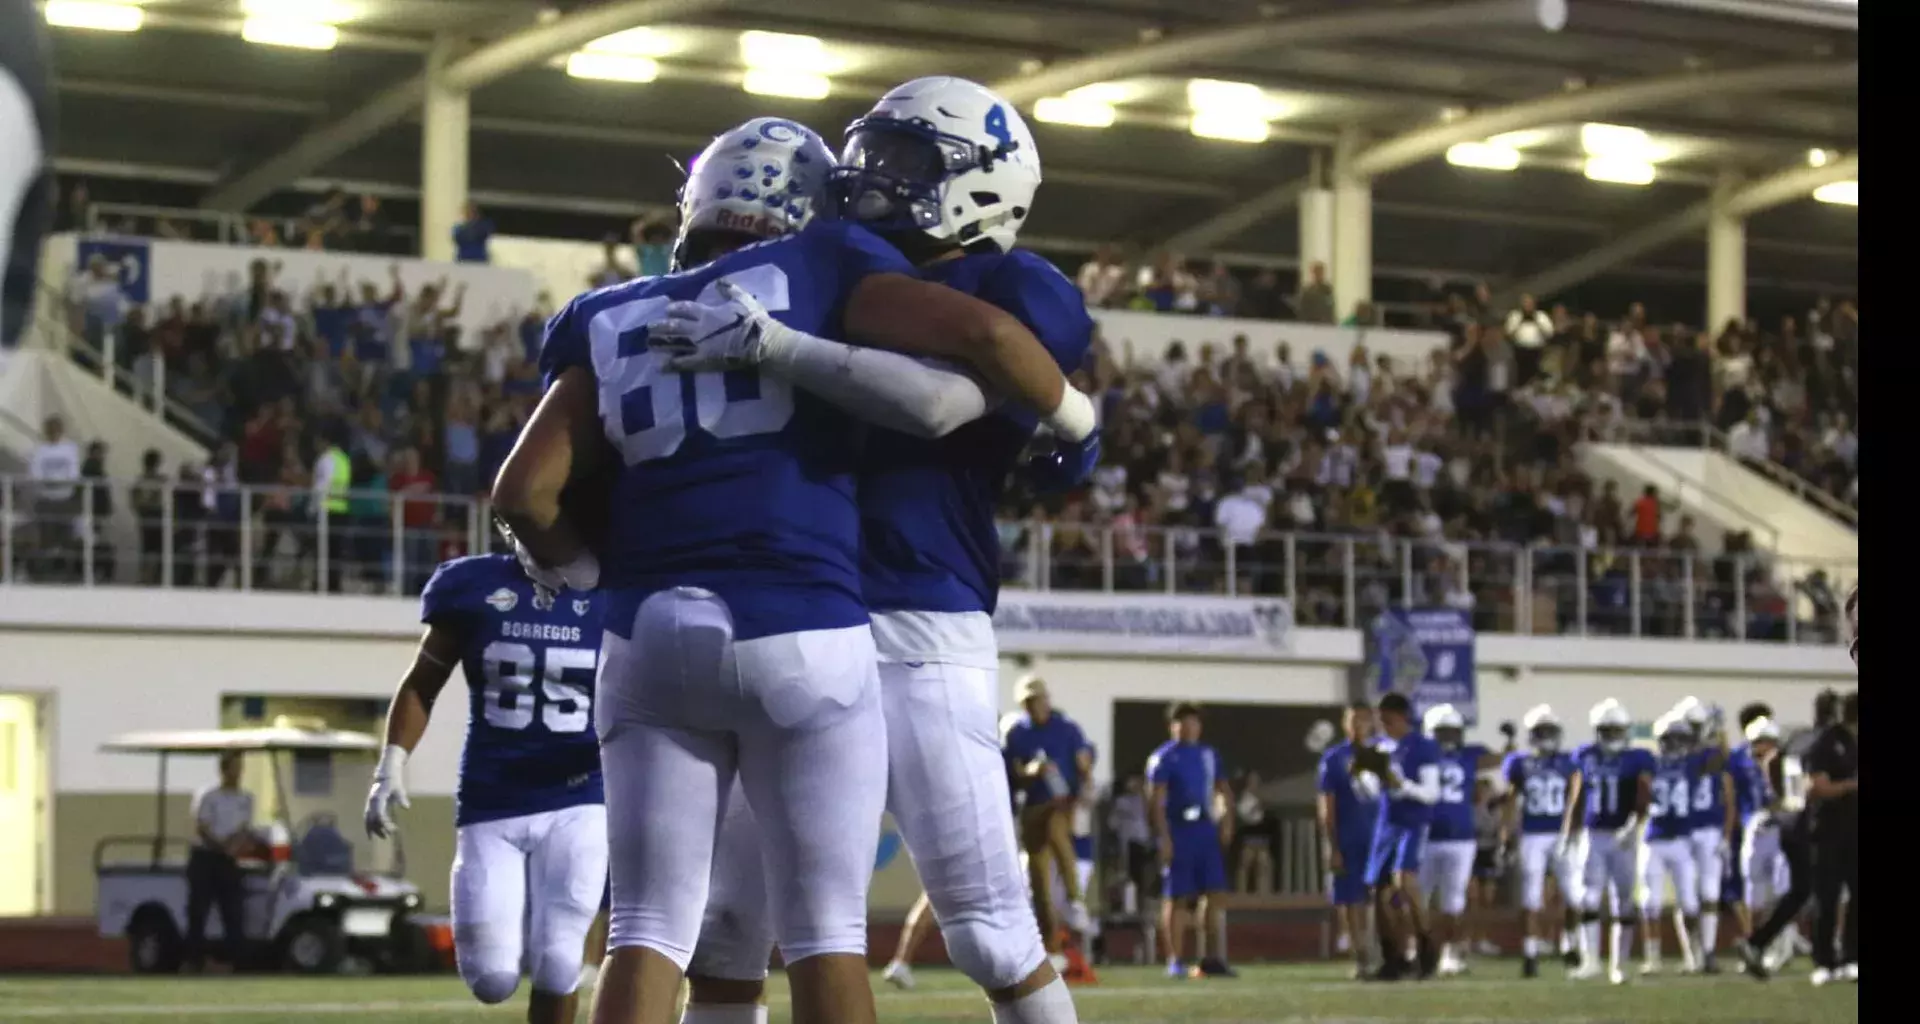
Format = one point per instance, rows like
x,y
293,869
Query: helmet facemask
x,y
1545,738
894,177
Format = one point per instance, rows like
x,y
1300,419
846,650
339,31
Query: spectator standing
x,y
148,496
1748,439
1220,292
1313,303
54,468
367,229
461,446
101,302
221,511
1528,328
1263,300
1646,517
332,479
1127,819
223,831
1100,278
414,486
653,247
471,235
611,271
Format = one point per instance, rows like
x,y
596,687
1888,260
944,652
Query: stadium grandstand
x,y
1500,353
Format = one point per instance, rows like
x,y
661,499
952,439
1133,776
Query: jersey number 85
x,y
564,678
642,406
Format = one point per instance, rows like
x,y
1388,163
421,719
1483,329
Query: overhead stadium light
x,y
1839,193
1229,111
782,50
89,14
799,85
1485,156
1818,158
300,35
612,67
1619,170
1073,110
1614,140
323,12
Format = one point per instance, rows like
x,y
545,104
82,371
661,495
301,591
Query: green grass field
x,y
1263,995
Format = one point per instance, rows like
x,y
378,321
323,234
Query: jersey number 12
x,y
642,407
564,678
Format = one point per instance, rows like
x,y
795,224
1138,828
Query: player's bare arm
x,y
557,447
1157,818
908,315
1329,821
1570,821
407,718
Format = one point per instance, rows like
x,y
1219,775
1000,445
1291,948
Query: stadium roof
x,y
1746,87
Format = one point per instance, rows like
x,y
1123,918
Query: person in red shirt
x,y
1646,517
415,487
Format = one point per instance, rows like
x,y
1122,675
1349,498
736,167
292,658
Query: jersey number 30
x,y
564,680
642,405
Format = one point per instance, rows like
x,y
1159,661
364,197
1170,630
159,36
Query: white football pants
x,y
525,892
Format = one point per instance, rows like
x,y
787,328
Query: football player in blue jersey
x,y
1408,771
1184,777
946,171
1446,868
1348,813
1714,823
1538,780
1606,810
1669,852
737,641
1759,864
530,824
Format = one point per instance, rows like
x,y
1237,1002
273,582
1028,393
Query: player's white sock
x,y
1709,932
1650,945
1530,947
1622,936
1051,1004
1589,941
731,1013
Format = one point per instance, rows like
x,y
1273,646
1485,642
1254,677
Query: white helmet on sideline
x,y
1610,722
1543,728
763,179
942,156
1445,724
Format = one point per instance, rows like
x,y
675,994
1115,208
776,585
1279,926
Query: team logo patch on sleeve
x,y
503,600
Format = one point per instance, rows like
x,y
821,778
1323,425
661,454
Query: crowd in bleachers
x,y
1209,448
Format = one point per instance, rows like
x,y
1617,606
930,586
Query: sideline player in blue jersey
x,y
1752,799
1446,868
1183,777
928,488
530,823
1348,813
1408,770
1715,834
1669,852
1538,780
737,641
1606,810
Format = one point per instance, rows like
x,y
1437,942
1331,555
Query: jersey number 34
x,y
643,407
563,680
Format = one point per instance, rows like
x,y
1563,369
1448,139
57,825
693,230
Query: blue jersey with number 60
x,y
529,665
734,482
1540,784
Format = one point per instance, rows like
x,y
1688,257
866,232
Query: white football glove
x,y
389,790
582,573
1628,834
733,333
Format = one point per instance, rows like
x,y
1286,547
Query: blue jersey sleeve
x,y
1510,768
1159,767
1424,753
1041,297
842,254
455,592
565,344
1329,772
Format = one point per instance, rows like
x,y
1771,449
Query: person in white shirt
x,y
1397,458
54,467
1748,439
277,327
1099,278
1426,469
223,833
1528,328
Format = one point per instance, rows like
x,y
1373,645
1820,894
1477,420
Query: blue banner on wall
x,y
132,259
1427,654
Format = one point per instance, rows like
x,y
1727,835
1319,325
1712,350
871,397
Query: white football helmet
x,y
1543,728
1763,729
1674,734
1610,722
1444,723
764,179
942,156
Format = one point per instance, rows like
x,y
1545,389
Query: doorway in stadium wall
x,y
23,806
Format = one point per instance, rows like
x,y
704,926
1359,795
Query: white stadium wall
x,y
115,660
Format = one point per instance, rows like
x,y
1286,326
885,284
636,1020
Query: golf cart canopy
x,y
220,741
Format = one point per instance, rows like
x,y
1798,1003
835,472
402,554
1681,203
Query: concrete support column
x,y
443,157
1726,257
1316,228
1352,229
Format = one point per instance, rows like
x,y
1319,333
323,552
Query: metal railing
x,y
1706,435
187,534
142,378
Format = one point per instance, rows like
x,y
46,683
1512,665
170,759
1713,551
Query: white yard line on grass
x,y
234,1009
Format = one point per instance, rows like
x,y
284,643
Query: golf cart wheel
x,y
153,943
313,944
409,951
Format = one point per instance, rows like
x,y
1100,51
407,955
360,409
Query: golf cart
x,y
305,907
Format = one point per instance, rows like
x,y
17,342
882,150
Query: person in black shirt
x,y
1833,794
1796,841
